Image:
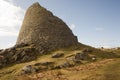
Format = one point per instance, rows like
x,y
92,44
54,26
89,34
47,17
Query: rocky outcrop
x,y
17,54
28,69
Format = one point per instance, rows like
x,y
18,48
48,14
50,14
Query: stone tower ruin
x,y
46,31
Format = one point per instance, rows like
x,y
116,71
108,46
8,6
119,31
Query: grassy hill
x,y
86,69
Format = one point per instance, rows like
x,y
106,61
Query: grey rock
x,y
65,65
28,69
81,56
17,55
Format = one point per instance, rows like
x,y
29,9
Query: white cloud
x,y
11,17
8,33
72,26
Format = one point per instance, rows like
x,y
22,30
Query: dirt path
x,y
112,71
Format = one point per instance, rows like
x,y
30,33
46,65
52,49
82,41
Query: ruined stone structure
x,y
40,33
46,31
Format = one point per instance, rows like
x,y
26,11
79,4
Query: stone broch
x,y
41,32
46,31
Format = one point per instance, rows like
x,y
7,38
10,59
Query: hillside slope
x,y
86,69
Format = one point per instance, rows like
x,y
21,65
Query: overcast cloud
x,y
11,17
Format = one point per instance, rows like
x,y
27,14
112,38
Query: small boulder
x,y
65,65
57,55
81,56
28,69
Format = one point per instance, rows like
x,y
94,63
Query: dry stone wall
x,y
46,31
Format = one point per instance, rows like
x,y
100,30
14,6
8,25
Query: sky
x,y
94,22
